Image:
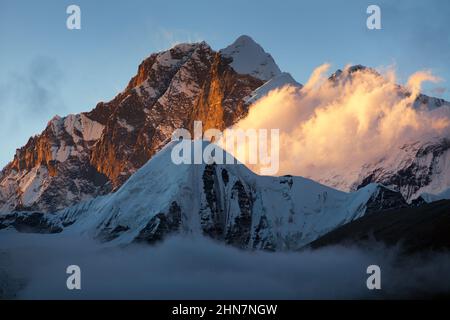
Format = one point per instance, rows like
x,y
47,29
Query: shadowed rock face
x,y
219,218
33,222
161,225
89,154
417,229
385,199
240,231
213,214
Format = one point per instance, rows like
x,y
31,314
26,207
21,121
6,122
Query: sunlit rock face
x,y
53,169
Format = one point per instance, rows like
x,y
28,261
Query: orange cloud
x,y
335,127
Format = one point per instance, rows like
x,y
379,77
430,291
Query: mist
x,y
33,267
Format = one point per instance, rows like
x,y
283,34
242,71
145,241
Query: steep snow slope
x,y
278,81
250,58
428,197
227,202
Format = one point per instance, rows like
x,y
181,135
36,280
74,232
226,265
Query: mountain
x,y
419,167
421,101
53,169
418,229
226,202
81,156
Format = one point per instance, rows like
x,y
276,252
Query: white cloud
x,y
167,38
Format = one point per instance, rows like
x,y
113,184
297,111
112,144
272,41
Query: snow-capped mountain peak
x,y
250,58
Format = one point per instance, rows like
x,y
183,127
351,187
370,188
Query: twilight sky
x,y
47,69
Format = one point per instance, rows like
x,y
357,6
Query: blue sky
x,y
47,69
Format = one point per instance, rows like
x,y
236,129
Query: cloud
x,y
167,38
439,91
28,100
33,266
415,81
336,127
37,89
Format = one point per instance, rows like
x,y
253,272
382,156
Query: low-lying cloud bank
x,y
332,128
33,266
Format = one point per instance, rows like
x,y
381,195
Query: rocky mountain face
x,y
417,169
226,202
89,154
53,170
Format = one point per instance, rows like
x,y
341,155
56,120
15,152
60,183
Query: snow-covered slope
x,y
414,169
226,202
277,82
428,197
250,58
417,168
